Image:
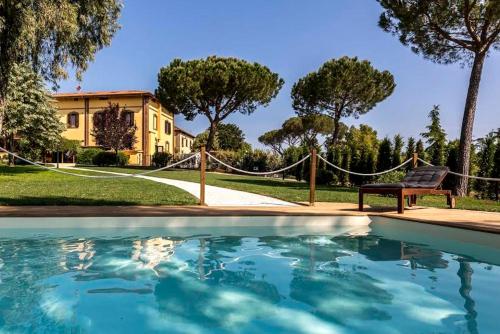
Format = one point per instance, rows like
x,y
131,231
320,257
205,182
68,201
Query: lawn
x,y
23,185
290,190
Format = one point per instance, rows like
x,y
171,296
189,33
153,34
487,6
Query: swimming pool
x,y
246,275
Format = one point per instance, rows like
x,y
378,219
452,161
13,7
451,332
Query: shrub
x,y
325,177
392,177
161,159
110,159
86,156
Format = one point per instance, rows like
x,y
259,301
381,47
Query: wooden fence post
x,y
415,160
203,167
312,179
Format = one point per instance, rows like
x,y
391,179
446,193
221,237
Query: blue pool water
x,y
388,277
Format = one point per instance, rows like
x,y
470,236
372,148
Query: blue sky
x,y
292,38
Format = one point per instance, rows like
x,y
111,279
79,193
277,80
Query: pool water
x,y
388,277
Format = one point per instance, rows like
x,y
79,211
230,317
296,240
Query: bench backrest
x,y
425,177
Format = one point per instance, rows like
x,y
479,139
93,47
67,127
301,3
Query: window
x,y
168,127
183,142
97,118
159,148
73,120
155,122
167,146
129,118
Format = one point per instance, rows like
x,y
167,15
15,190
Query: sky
x,y
292,38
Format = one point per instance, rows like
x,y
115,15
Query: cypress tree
x,y
397,152
384,159
436,138
420,150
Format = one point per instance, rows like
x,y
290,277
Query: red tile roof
x,y
177,129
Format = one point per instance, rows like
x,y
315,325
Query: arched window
x,y
155,122
73,120
167,146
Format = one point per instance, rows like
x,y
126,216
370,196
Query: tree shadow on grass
x,y
61,200
288,184
19,170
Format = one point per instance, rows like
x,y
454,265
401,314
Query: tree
x,y
397,151
216,87
420,149
448,32
496,167
410,148
486,163
384,158
341,88
49,35
452,163
112,129
308,127
363,146
29,113
201,140
275,139
436,138
230,137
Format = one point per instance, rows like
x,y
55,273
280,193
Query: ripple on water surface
x,y
392,278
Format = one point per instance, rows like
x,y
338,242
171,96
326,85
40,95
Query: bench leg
x,y
450,201
401,202
360,201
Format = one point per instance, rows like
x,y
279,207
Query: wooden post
x,y
312,180
203,167
415,160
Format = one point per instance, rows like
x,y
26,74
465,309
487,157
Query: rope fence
x,y
203,155
365,174
52,169
491,179
258,173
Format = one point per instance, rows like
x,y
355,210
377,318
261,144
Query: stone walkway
x,y
214,196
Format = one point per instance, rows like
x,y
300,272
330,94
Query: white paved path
x,y
214,196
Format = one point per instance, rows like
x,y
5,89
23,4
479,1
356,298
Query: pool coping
x,y
465,219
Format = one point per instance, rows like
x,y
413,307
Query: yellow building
x,y
154,123
183,141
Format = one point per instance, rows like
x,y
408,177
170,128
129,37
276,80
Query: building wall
x,y
183,143
144,109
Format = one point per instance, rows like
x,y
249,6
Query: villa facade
x,y
183,141
155,124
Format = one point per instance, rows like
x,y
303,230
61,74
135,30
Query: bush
x,y
392,177
325,177
110,159
161,159
86,156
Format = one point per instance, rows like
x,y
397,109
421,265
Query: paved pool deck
x,y
467,219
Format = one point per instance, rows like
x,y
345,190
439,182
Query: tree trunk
x,y
11,149
336,130
211,136
468,124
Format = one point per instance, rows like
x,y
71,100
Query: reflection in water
x,y
465,274
219,284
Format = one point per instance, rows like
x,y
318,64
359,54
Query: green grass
x,y
23,185
290,190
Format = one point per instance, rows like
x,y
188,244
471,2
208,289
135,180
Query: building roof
x,y
103,93
177,129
